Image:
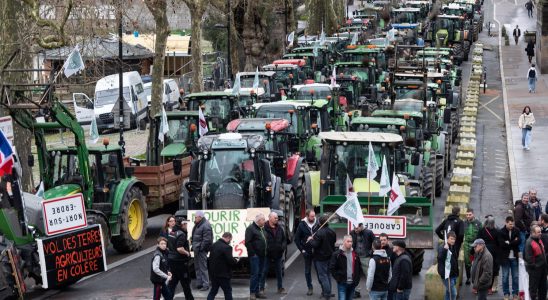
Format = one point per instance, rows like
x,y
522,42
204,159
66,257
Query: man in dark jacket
x,y
455,224
535,264
362,241
323,243
482,270
471,228
346,269
379,273
544,231
179,256
536,204
307,227
402,272
221,263
509,240
523,218
202,238
276,241
256,244
443,252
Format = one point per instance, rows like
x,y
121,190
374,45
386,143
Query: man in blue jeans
x,y
379,273
449,281
307,227
323,243
509,241
255,242
523,216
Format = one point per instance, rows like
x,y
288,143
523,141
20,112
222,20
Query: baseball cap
x,y
478,242
399,243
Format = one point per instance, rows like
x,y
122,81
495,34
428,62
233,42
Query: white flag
x,y
203,123
447,259
372,165
291,37
396,197
256,80
236,87
40,192
315,49
164,125
93,131
354,39
349,186
322,38
74,63
334,77
385,181
351,210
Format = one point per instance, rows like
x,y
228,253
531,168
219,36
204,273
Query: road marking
x,y
494,114
292,259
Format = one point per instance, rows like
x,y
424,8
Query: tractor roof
x,y
295,62
405,25
247,91
280,67
363,137
351,64
91,148
205,95
311,85
292,104
407,9
179,114
379,121
303,54
396,113
362,49
450,17
257,124
261,74
230,140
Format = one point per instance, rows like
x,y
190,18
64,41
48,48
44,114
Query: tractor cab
x,y
376,124
267,81
218,108
358,82
288,72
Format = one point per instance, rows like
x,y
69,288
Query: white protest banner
x,y
64,214
6,126
394,226
234,221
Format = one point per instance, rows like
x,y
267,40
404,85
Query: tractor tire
x,y
418,260
440,163
301,194
133,227
94,218
454,126
7,280
428,178
466,50
475,32
448,142
457,49
287,205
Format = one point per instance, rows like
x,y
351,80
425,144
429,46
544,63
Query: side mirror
x,y
130,171
89,105
113,160
177,166
416,159
30,160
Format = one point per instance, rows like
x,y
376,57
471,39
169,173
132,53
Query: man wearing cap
x,y
402,272
202,238
482,270
179,256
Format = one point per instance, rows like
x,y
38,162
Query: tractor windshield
x,y
318,92
247,82
403,93
65,169
213,108
106,97
178,131
278,113
408,105
405,17
228,174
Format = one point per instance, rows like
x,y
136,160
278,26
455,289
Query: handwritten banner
x,y
69,257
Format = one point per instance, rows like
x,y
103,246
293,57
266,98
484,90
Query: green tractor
x,y
113,197
303,132
345,156
466,10
359,84
290,167
219,108
453,32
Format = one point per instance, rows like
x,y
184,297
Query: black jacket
x,y
455,224
177,239
512,245
323,243
402,273
522,216
202,236
276,241
491,238
544,238
302,234
442,255
337,267
255,240
368,238
221,260
164,267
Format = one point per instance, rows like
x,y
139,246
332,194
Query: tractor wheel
x,y
457,49
287,205
447,161
9,290
94,218
301,194
418,260
466,50
454,126
428,179
440,163
475,31
133,227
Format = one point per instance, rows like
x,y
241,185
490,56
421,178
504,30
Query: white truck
x,y
170,96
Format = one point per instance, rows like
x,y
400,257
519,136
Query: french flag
x,y
6,155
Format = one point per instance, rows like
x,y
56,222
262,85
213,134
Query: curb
x,y
509,150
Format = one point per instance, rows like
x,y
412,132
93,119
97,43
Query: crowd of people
x,y
487,249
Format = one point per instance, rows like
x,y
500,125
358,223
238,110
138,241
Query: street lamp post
x,y
228,22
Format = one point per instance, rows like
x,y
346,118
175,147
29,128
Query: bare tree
x,y
326,13
197,9
57,36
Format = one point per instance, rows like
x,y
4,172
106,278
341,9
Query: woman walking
x,y
530,49
489,233
525,123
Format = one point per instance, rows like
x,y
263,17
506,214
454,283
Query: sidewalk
x,y
527,168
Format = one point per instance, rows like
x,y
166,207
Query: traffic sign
x,y
394,226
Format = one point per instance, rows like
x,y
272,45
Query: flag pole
x,y
369,196
327,221
384,204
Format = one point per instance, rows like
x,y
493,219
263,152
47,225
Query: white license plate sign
x,y
394,226
64,214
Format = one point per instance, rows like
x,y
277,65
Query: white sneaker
x,y
526,148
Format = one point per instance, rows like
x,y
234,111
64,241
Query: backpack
x,y
528,5
532,73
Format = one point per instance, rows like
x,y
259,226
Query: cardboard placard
x,y
69,257
64,214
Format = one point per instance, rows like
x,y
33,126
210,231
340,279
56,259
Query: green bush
x,y
504,34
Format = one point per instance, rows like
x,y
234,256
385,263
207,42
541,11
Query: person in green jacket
x,y
471,228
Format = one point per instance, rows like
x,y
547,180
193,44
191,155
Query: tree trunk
x,y
234,46
255,36
197,11
326,13
158,9
12,13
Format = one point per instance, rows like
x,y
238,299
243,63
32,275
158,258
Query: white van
x,y
106,95
170,97
83,108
